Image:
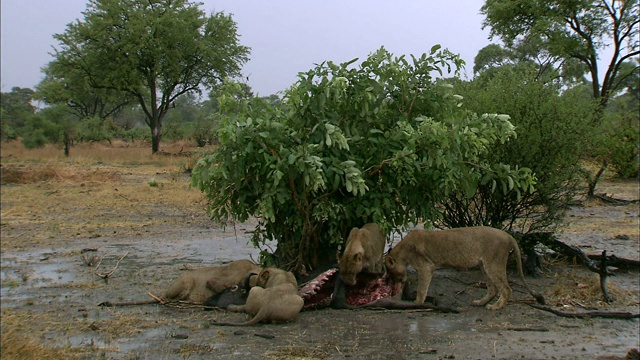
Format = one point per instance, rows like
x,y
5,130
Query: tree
x,y
381,142
16,109
62,85
154,51
577,30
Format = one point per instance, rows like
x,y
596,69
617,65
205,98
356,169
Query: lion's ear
x,y
389,261
264,276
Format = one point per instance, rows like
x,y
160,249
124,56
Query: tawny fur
x,y
200,284
274,299
461,248
363,252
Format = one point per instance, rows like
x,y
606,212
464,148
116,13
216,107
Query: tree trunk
x,y
67,142
593,182
156,135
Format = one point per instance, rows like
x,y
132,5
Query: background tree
x,y
17,108
63,86
154,51
381,142
579,30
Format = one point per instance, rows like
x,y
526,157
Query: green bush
x,y
39,131
624,158
552,129
381,142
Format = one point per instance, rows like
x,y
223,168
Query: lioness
x,y
274,299
363,252
200,284
461,248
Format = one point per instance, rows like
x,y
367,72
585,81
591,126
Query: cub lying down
x,y
200,284
461,248
274,299
363,252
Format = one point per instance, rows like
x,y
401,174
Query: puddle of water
x,y
423,326
53,274
142,340
85,340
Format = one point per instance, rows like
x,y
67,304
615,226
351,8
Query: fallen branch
x,y
178,304
620,263
614,201
588,314
127,303
526,328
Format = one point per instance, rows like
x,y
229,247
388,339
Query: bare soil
x,y
142,212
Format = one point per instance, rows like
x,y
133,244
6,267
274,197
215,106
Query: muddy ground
x,y
145,215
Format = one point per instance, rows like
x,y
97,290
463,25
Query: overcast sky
x,y
285,37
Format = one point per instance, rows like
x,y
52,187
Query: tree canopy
x,y
579,30
381,142
153,51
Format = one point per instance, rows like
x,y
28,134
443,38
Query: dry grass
x,y
19,329
17,346
98,191
584,290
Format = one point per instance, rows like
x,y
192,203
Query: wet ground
x,y
57,289
50,295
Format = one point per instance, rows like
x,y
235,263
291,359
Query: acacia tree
x,y
153,51
61,86
381,142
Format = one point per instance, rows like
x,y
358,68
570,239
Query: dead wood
x,y
620,263
127,303
614,201
588,314
178,304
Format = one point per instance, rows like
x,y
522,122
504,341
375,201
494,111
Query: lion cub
x,y
200,284
274,298
363,252
461,248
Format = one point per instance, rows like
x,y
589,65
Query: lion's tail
x,y
261,315
539,298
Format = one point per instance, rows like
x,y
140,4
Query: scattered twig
x,y
588,314
108,274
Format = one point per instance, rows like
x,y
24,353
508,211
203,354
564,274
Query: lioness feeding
x,y
200,284
461,248
363,252
274,299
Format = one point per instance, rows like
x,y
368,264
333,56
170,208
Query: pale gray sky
x,y
285,36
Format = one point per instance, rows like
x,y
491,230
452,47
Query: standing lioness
x,y
363,252
461,248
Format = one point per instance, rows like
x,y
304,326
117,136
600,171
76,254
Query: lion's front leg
x,y
425,273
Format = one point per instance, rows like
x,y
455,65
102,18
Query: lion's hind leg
x,y
502,284
492,290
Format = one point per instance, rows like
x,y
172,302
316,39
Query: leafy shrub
x,y
381,142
